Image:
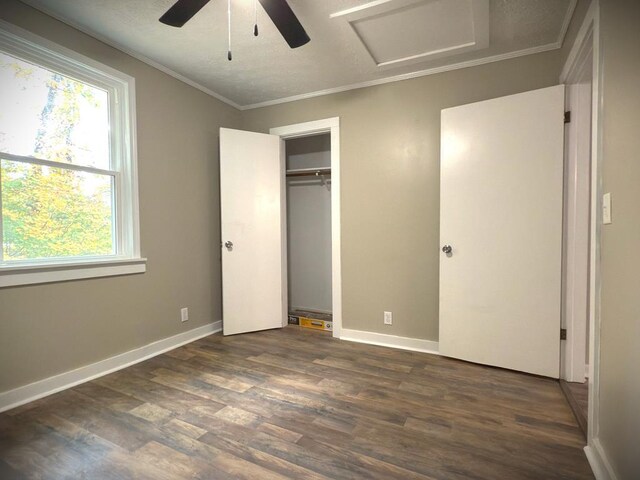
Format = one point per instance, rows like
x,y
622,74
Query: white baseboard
x,y
599,462
42,388
384,340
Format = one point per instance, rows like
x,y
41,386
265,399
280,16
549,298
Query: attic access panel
x,y
403,32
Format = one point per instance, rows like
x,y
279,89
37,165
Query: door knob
x,y
447,249
228,244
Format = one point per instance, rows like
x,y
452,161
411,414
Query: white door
x,y
501,214
253,231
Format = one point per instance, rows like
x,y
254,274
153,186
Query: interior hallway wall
x,y
620,292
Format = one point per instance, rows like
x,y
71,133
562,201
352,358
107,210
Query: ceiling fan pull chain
x,y
278,11
255,26
229,55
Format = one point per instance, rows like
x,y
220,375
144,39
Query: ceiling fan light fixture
x,y
229,54
278,11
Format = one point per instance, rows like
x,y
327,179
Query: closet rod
x,y
305,172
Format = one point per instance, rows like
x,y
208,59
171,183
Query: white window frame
x,y
123,151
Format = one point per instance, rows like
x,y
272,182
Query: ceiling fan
x,y
278,10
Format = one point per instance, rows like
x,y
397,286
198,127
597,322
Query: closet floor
x,y
296,403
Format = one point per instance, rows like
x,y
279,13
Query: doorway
x,y
577,246
308,207
253,225
312,172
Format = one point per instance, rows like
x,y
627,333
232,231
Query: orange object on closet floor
x,y
316,320
317,324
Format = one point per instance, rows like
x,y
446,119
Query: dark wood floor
x,y
577,395
297,404
580,392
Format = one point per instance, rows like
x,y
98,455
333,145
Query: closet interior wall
x,y
309,225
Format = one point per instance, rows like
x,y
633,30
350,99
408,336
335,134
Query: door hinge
x,y
563,334
567,117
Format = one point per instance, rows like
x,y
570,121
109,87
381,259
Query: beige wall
x,y
620,256
390,137
390,155
49,329
390,209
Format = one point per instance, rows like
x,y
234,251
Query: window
x,y
68,186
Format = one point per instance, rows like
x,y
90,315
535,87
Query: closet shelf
x,y
305,172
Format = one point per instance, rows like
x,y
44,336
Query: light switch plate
x,y
606,208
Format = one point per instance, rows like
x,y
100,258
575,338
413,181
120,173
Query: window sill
x,y
30,274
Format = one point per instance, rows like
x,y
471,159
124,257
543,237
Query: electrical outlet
x,y
184,314
388,318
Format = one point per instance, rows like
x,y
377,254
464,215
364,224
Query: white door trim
x,y
577,209
590,31
331,126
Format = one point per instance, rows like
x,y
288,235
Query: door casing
x,y
332,127
589,37
575,318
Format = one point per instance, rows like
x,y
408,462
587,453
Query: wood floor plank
x,y
247,451
297,404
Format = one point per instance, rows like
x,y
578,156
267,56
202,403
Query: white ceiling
x,y
353,42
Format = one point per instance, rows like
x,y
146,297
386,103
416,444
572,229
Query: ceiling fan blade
x,y
182,11
286,22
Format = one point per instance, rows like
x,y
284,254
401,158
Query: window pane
x,y
46,115
54,212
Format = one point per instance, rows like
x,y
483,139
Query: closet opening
x,y
309,231
311,156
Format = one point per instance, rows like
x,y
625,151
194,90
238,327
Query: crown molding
x,y
429,71
406,76
567,21
132,53
396,78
